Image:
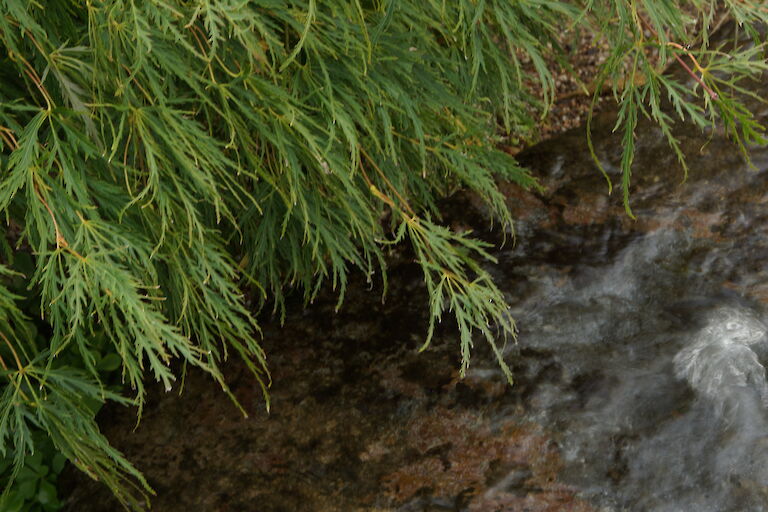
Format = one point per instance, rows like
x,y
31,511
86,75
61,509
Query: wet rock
x,y
360,421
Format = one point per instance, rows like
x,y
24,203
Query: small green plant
x,y
34,486
161,158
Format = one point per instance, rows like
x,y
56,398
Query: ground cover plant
x,y
162,160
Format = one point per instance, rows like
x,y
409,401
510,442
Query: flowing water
x,y
659,400
640,379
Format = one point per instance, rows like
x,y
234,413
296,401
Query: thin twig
x,y
9,137
712,94
60,240
13,351
386,180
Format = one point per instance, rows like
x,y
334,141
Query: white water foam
x,y
721,365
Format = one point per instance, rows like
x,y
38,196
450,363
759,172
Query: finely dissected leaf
x,y
649,38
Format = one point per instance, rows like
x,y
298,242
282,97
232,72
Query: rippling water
x,y
659,399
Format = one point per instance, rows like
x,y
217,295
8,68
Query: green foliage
x,y
647,38
34,487
161,159
34,404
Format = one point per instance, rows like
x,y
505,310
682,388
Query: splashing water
x,y
720,364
